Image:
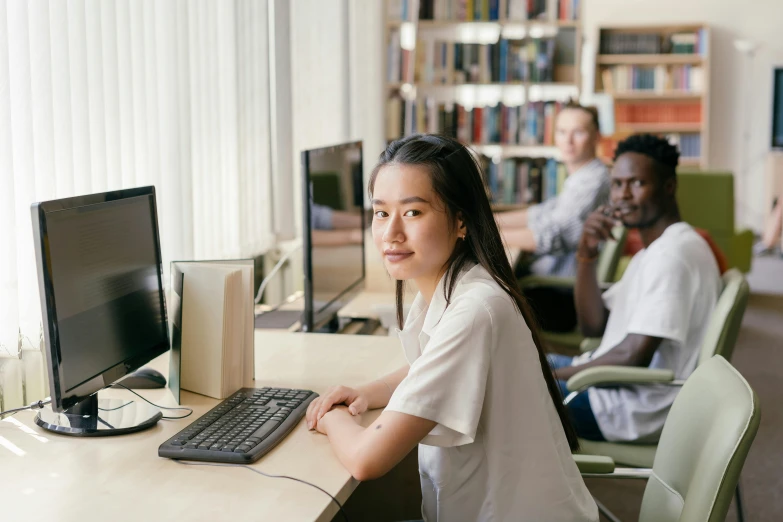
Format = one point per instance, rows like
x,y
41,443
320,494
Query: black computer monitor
x,y
777,108
333,235
104,314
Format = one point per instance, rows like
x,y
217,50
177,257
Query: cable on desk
x,y
254,470
117,408
190,411
37,405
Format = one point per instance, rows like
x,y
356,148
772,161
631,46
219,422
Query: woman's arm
x,y
379,392
369,453
512,218
368,397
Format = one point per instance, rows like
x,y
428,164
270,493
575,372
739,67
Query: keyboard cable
x,y
268,475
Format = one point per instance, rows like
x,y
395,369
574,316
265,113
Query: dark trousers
x,y
578,409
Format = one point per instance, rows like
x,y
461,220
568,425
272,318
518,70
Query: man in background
x,y
656,316
550,231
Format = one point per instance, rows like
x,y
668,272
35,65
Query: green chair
x,y
703,447
720,339
706,200
608,259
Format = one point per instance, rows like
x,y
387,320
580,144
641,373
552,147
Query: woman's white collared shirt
x,y
498,452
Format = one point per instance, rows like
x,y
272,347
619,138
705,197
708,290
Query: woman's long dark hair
x,y
456,179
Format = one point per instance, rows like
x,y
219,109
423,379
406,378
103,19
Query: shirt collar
x,y
422,319
437,307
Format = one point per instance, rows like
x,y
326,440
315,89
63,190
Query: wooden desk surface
x,y
44,476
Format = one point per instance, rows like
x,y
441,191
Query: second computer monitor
x,y
334,225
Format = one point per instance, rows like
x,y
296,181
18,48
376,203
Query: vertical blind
x,y
99,95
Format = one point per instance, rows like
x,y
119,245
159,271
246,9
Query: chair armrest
x,y
537,281
593,463
609,375
589,344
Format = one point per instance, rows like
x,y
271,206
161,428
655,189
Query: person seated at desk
x,y
657,314
332,227
477,394
550,231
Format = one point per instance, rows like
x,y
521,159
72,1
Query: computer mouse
x,y
144,378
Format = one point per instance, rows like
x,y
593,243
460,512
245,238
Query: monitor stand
x,y
96,417
331,326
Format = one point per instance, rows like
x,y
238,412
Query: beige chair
x,y
720,338
703,447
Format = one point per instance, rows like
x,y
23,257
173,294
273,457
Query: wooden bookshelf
x,y
406,94
656,128
658,77
649,59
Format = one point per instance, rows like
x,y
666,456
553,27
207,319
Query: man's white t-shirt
x,y
668,290
498,452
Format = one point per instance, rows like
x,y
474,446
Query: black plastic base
x,y
100,417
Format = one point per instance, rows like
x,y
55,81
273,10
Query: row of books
x,y
568,9
459,10
529,124
661,78
689,144
477,10
523,180
656,112
397,60
439,62
692,42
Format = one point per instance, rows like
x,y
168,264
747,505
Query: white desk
x,y
123,479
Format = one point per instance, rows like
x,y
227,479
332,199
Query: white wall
x,y
737,89
319,81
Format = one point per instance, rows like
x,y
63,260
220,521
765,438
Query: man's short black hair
x,y
665,154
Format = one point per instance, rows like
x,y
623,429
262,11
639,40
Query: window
x,y
97,96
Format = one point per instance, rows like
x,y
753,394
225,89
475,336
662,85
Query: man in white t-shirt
x,y
657,314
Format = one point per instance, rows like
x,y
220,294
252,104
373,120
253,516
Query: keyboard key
x,y
266,429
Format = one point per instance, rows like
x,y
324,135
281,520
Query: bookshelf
x,y
491,73
658,78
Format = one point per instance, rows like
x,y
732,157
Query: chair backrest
x,y
724,324
610,255
705,440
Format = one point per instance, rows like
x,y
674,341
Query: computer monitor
x,y
104,313
333,235
777,108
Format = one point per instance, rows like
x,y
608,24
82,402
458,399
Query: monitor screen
x,y
102,289
334,224
777,109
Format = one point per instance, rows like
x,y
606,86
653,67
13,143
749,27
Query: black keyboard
x,y
242,428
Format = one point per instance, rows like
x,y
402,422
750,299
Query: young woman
x,y
477,395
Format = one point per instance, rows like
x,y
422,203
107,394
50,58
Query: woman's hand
x,y
335,395
334,415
